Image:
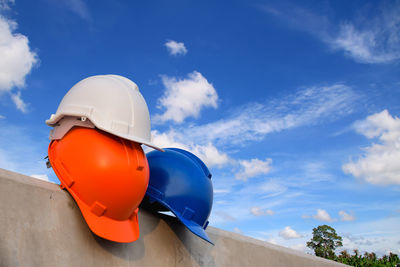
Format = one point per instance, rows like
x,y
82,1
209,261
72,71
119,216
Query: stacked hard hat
x,y
95,151
181,183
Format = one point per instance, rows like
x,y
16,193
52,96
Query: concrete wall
x,y
40,225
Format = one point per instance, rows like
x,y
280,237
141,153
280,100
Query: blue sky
x,y
293,105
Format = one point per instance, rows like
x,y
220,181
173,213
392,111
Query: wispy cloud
x,y
306,107
222,216
367,39
246,200
373,235
372,40
19,103
272,188
221,191
79,7
316,171
252,122
5,4
17,61
380,162
175,48
185,97
312,23
22,153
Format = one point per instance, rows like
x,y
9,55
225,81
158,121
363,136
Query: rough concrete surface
x,y
41,225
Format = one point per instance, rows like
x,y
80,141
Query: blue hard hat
x,y
181,183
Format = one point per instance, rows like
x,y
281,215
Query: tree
x,y
325,241
368,259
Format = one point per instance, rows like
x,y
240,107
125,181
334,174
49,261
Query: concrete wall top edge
x,y
21,178
41,225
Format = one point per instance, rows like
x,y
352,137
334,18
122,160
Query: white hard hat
x,y
112,103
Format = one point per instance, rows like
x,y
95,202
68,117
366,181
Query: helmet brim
x,y
55,118
125,231
195,228
192,226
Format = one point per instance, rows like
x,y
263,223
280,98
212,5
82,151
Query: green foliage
x,y
324,241
368,259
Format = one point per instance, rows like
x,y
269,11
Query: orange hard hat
x,y
107,176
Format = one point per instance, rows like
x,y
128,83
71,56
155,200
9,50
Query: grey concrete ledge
x,y
40,225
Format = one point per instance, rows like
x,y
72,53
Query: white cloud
x,y
208,152
323,215
257,211
185,97
43,177
380,162
289,233
176,48
252,168
17,58
16,62
344,216
19,103
168,139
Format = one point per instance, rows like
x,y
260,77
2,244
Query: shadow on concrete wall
x,y
193,245
133,251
